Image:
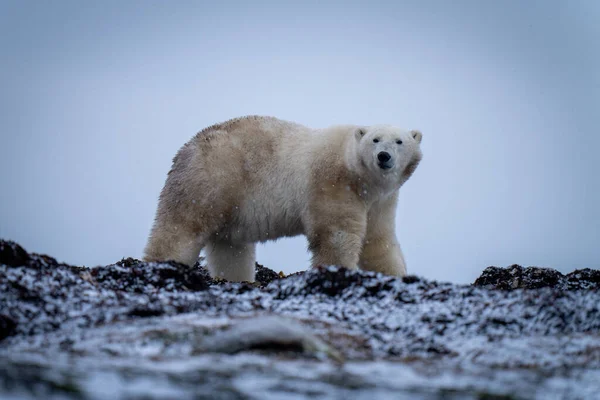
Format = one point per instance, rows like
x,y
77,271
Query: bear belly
x,y
260,222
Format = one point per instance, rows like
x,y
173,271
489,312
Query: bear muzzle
x,y
384,160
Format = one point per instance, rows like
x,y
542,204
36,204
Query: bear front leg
x,y
383,254
335,234
381,251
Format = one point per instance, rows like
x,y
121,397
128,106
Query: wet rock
x,y
331,281
33,381
205,274
334,281
150,310
7,326
517,277
264,275
267,333
173,328
12,254
583,279
46,295
140,277
410,279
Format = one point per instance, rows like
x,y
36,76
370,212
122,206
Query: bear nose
x,y
384,156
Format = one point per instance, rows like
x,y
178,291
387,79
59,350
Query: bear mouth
x,y
385,165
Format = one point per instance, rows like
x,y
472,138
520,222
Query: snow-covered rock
x,y
164,330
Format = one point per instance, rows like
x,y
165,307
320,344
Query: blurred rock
x,y
517,277
515,333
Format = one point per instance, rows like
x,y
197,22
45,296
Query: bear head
x,y
389,154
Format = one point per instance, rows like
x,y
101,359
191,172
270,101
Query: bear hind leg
x,y
233,262
174,243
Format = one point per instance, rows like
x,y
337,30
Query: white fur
x,y
234,262
256,179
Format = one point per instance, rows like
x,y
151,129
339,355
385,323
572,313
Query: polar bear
x,y
257,178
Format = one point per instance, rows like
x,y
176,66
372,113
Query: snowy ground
x,y
139,330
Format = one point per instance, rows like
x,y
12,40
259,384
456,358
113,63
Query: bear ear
x,y
359,133
417,135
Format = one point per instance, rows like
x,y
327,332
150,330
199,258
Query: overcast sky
x,y
96,98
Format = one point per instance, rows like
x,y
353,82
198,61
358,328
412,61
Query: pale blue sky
x,y
98,96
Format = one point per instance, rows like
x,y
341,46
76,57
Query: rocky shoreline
x,y
163,330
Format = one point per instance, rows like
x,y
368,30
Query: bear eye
x,y
375,140
399,141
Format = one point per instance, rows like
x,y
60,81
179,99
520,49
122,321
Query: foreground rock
x,y
161,330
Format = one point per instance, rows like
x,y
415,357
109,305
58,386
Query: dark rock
x,y
584,279
264,275
206,275
125,310
517,277
151,310
7,326
136,276
330,281
12,254
45,295
410,279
